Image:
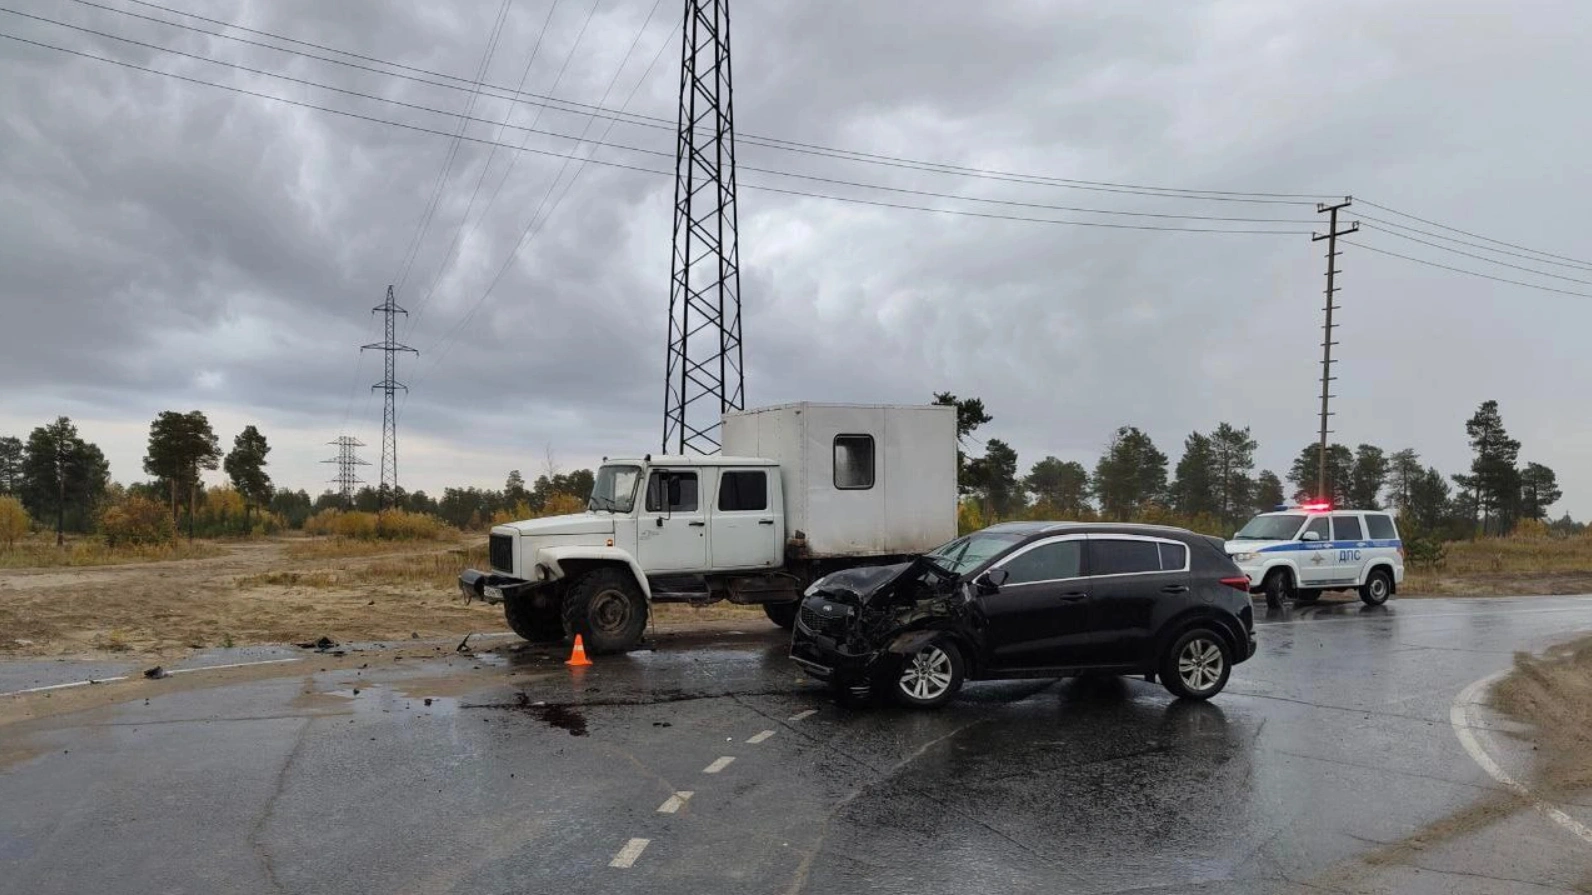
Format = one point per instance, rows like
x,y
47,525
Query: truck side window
x,y
1319,526
745,491
853,462
680,496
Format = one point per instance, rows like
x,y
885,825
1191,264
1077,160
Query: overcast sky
x,y
170,245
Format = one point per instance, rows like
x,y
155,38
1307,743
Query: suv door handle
x,y
697,524
765,522
1175,589
1074,597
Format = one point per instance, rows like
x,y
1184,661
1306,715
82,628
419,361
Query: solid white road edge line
x,y
800,715
1466,727
760,737
98,680
628,855
675,802
234,665
718,764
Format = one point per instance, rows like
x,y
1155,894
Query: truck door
x,y
672,528
745,531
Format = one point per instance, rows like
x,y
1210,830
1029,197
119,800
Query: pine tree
x,y
1130,475
1193,487
245,466
62,473
1496,481
1366,477
1268,491
1061,485
1539,489
1232,457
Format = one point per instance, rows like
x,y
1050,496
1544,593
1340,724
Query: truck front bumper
x,y
494,588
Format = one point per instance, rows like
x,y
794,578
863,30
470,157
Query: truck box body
x,y
859,480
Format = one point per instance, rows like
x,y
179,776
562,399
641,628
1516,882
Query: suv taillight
x,y
1238,582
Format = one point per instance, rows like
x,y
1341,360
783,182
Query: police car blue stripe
x,y
1329,545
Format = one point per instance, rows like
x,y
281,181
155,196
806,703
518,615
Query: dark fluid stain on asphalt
x,y
562,716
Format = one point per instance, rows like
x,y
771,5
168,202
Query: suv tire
x,y
782,614
928,678
606,609
1196,664
1377,588
1278,586
538,625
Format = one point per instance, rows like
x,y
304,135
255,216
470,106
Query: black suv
x,y
1033,600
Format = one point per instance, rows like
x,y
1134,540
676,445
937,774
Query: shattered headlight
x,y
815,587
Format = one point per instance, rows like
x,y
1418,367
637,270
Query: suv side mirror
x,y
991,581
1310,536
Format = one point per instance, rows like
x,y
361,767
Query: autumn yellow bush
x,y
137,521
14,521
388,525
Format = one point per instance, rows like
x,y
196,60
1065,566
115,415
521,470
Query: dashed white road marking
x,y
628,855
718,764
1461,717
675,802
800,715
98,680
760,737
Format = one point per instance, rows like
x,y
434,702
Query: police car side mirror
x,y
1310,536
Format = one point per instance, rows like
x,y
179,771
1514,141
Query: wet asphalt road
x,y
1328,764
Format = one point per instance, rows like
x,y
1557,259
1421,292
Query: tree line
x,y
1215,487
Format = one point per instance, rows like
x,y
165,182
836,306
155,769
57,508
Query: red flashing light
x,y
1315,506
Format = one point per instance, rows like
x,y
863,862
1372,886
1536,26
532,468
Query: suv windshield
x,y
1270,528
614,489
966,553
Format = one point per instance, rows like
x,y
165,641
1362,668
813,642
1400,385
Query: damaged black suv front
x,y
1032,600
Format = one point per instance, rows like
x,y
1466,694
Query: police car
x,y
1296,552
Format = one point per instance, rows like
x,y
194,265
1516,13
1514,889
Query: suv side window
x,y
1047,562
679,497
1380,527
1110,556
1174,557
1319,526
1347,528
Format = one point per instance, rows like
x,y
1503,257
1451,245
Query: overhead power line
x,y
1405,214
608,163
502,92
1436,245
1475,245
1370,248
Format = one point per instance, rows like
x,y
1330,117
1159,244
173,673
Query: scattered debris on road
x,y
155,673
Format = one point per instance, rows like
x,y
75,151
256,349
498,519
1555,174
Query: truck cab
x,y
1297,552
802,490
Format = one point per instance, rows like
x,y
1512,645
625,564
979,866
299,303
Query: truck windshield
x,y
968,552
1271,528
614,489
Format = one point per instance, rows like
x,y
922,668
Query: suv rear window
x,y
1174,557
1347,528
1381,527
1123,557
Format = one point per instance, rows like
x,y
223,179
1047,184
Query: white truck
x,y
800,490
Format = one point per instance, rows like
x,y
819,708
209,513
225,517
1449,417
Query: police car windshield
x,y
1271,528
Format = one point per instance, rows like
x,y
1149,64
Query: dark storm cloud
x,y
173,245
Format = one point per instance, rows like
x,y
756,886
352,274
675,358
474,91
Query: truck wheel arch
x,y
572,562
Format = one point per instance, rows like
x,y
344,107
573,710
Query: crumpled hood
x,y
1252,546
862,582
572,524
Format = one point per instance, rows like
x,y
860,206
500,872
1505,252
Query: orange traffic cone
x,y
577,656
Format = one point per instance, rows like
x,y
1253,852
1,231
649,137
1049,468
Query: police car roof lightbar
x,y
1315,506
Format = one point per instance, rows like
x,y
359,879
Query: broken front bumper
x,y
494,588
817,645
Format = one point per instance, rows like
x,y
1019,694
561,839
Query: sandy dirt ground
x,y
257,593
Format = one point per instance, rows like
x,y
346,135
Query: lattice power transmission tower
x,y
703,373
390,386
347,479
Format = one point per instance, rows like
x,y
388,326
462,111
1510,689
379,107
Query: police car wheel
x,y
1377,588
1278,587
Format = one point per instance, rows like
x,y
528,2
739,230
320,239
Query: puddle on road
x,y
387,701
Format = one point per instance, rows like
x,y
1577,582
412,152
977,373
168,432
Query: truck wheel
x,y
538,625
782,614
1278,586
606,609
1377,587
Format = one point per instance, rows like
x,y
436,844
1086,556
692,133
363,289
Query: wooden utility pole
x,y
1331,236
